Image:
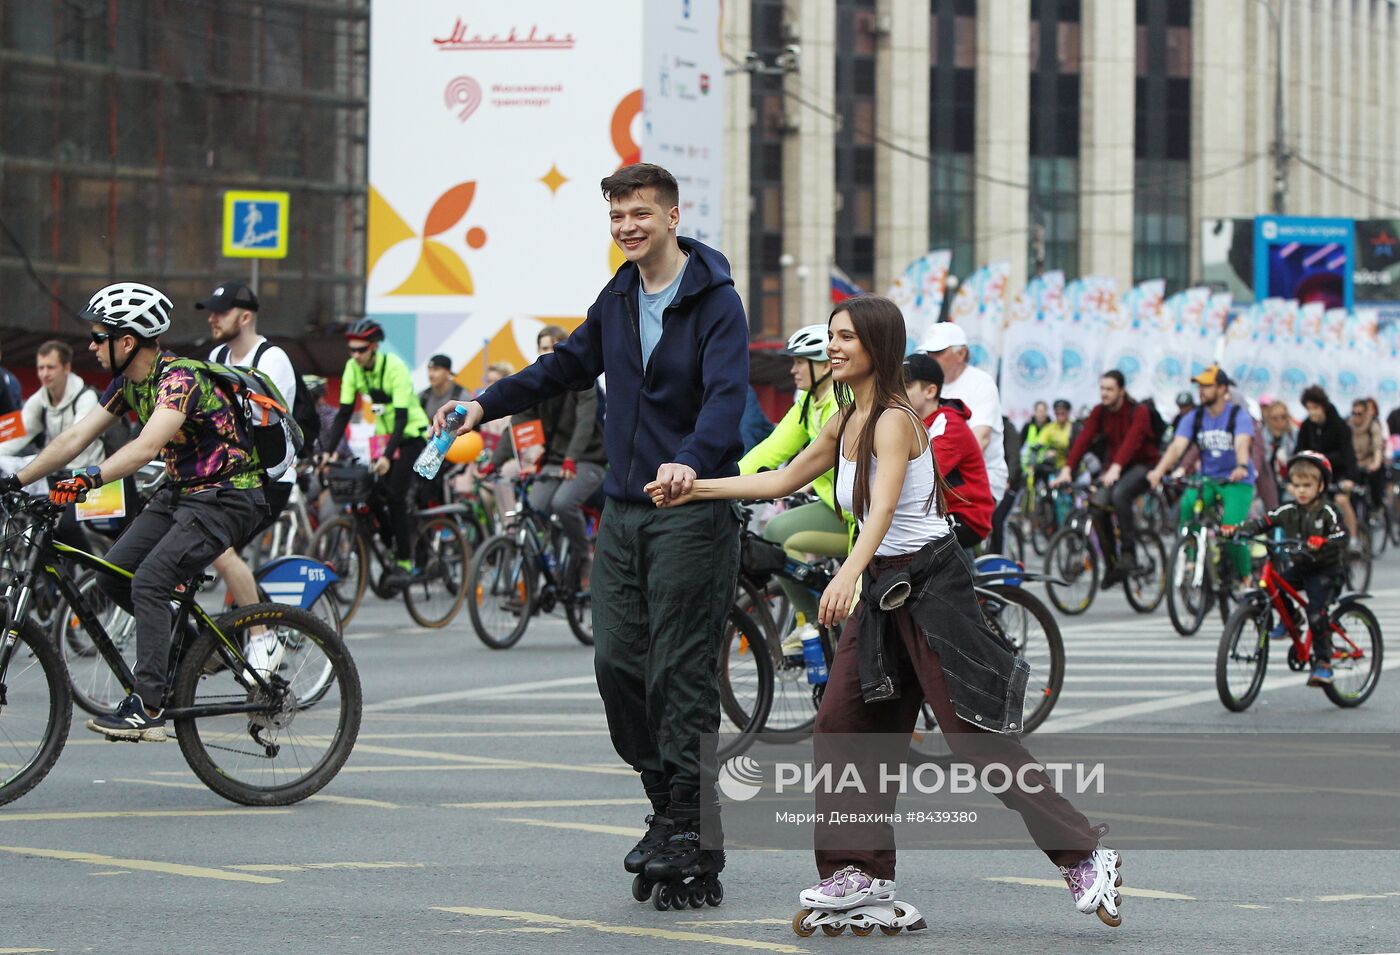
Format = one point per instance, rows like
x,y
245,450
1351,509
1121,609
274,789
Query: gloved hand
x,y
10,483
73,489
1315,542
570,469
1228,530
485,470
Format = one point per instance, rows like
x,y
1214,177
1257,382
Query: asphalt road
x,y
484,810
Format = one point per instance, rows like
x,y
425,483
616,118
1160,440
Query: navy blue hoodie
x,y
684,407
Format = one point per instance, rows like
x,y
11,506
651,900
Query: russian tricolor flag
x,y
842,287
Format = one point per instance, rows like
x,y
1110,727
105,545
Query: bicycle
x,y
255,738
1359,558
1244,645
290,534
1076,553
1199,577
347,543
523,571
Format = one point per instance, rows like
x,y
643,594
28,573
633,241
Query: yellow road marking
x,y
1126,890
635,930
319,797
545,804
1355,898
523,764
133,813
303,866
518,930
630,831
113,872
1240,906
142,865
23,951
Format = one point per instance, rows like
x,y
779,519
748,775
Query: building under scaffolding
x,y
123,122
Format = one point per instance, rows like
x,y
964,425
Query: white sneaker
x,y
264,653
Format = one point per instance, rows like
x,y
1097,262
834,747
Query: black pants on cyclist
x,y
999,516
276,494
1131,485
174,538
563,499
401,483
663,583
1320,585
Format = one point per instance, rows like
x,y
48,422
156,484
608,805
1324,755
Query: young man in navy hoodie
x,y
670,332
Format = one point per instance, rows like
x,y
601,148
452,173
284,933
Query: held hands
x,y
72,489
674,485
837,599
474,416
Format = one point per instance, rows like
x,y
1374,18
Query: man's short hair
x,y
552,331
62,349
922,369
629,180
1116,376
1315,395
502,368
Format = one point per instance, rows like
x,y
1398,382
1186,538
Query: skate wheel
x,y
833,930
1110,920
696,895
714,894
1117,880
799,923
863,930
888,930
641,888
662,896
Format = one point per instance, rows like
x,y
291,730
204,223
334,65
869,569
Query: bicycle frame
x,y
43,556
1280,593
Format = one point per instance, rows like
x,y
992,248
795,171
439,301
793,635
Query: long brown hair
x,y
879,325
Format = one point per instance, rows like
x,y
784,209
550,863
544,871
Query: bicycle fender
x,y
298,581
1350,597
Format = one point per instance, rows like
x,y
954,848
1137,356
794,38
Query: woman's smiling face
x,y
849,359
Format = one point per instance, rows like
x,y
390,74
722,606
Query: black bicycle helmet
x,y
1317,460
366,329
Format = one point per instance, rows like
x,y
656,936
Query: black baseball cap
x,y
230,294
440,361
921,367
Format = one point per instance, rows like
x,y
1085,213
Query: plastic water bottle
x,y
430,461
814,656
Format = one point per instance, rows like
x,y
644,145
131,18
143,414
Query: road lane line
x,y
521,763
1126,890
143,865
132,813
635,930
319,797
408,702
628,831
303,866
545,804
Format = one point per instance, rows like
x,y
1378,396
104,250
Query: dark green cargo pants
x,y
663,583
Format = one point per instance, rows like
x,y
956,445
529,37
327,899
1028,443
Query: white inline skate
x,y
1094,882
850,897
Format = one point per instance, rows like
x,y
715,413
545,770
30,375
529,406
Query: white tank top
x,y
916,522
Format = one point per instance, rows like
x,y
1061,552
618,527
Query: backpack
x,y
1229,424
1158,423
1011,447
264,423
304,411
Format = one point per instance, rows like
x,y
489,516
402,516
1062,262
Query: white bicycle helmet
x,y
808,342
131,308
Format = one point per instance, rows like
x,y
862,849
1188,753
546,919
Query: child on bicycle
x,y
1318,569
918,634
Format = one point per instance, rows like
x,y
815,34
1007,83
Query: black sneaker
x,y
130,721
1111,576
397,578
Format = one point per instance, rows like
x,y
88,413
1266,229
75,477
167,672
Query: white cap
x,y
943,335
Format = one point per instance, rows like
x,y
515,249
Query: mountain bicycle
x,y
364,532
1360,557
1199,574
527,569
257,737
1243,655
1072,565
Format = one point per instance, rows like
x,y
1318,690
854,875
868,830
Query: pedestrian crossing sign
x,y
255,225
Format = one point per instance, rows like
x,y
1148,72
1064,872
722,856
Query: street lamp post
x,y
1280,141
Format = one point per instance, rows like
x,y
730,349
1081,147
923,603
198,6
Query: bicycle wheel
x,y
290,749
1243,657
338,545
578,610
1358,565
1042,524
1189,593
1073,561
745,683
34,717
502,591
1030,628
95,687
1356,655
1147,583
441,559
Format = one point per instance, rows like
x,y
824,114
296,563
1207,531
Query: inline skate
x,y
1094,882
681,873
849,897
659,829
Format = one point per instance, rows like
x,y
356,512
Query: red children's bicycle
x,y
1244,646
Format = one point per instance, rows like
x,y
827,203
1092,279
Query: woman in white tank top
x,y
917,635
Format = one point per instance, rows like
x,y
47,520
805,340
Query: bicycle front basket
x,y
349,484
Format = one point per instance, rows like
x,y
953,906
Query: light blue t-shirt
x,y
1217,441
651,306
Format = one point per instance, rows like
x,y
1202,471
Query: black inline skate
x,y
659,829
682,873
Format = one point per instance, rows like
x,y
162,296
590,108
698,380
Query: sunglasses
x,y
358,349
101,338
